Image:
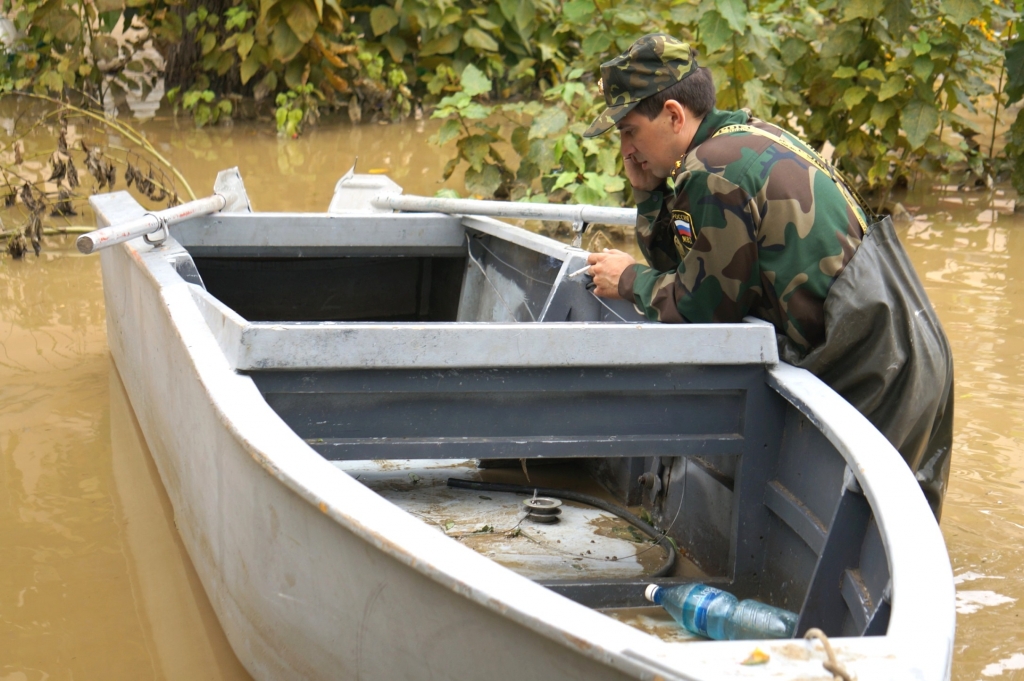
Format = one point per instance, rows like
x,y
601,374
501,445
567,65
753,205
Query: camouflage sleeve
x,y
718,279
653,225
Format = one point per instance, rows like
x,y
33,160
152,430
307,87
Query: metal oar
x,y
230,194
579,215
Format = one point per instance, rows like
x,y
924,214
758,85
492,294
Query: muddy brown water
x,y
95,582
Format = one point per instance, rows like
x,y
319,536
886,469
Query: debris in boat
x,y
513,533
415,478
756,657
448,524
526,473
484,530
485,498
708,611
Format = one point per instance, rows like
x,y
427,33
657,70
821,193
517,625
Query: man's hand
x,y
606,268
641,178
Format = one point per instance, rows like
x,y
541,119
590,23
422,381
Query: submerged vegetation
x,y
898,89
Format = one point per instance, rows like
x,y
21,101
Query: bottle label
x,y
703,600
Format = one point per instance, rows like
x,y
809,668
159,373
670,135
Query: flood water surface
x,y
95,582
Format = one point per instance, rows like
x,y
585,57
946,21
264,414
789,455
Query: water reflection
x,y
300,174
95,582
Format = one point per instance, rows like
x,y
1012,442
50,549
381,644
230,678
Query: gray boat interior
x,y
739,478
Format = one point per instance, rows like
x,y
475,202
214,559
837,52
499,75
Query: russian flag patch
x,y
683,224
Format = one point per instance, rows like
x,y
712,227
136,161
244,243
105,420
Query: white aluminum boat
x,y
308,383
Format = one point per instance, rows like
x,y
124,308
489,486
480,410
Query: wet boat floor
x,y
585,544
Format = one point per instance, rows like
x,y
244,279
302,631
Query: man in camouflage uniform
x,y
737,217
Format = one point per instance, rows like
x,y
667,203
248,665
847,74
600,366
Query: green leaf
x,y
249,68
474,82
578,11
397,47
108,20
862,9
302,19
899,14
586,194
449,130
843,41
104,48
923,67
484,182
919,120
854,96
508,8
892,87
793,50
871,73
285,43
208,43
1015,72
445,44
573,152
52,81
563,180
734,12
65,25
845,72
382,19
245,43
103,6
474,37
597,43
475,111
714,30
265,7
633,17
524,15
961,11
551,121
881,112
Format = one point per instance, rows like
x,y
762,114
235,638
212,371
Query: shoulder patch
x,y
682,224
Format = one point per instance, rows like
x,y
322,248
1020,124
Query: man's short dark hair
x,y
696,92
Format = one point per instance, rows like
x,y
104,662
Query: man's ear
x,y
677,115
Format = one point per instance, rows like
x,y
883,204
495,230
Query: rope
x,y
831,665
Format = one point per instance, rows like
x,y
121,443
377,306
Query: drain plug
x,y
542,509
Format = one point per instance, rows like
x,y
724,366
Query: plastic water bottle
x,y
711,612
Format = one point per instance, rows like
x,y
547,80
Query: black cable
x,y
589,500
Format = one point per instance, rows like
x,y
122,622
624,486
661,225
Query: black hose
x,y
589,500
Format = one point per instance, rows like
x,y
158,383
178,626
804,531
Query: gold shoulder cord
x,y
844,187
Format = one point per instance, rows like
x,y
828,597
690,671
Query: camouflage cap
x,y
651,64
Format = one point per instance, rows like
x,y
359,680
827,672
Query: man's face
x,y
649,143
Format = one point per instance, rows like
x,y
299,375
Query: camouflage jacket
x,y
750,228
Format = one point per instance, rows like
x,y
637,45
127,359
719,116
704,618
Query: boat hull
x,y
312,575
